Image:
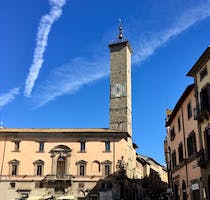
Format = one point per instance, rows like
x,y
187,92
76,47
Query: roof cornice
x,y
200,62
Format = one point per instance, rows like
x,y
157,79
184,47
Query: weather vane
x,y
120,37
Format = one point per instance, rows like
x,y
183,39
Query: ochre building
x,y
76,163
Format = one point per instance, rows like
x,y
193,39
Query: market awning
x,y
69,197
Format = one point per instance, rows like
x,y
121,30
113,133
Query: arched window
x,y
60,155
95,166
61,166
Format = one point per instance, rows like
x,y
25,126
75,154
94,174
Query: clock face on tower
x,y
118,90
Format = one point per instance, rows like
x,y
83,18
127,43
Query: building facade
x,y
45,163
201,74
181,149
76,163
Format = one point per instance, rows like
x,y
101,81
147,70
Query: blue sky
x,y
54,62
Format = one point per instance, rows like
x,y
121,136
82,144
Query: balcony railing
x,y
51,177
203,157
201,114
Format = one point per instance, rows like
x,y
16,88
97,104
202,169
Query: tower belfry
x,y
120,84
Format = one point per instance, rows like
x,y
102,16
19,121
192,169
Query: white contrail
x,y
188,19
8,97
44,28
71,76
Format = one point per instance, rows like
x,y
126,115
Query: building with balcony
x,y
77,163
201,74
182,148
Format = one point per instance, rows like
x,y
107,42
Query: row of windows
x,y
61,167
107,146
189,116
191,149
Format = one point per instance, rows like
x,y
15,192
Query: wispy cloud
x,y
44,28
70,77
188,19
8,97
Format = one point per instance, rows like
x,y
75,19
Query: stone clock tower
x,y
120,85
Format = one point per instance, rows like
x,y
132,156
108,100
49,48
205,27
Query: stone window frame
x,y
37,164
60,151
203,73
81,164
105,164
191,144
14,167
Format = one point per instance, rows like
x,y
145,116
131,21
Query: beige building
x,y
201,74
182,147
76,163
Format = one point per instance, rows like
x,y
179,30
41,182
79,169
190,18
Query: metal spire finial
x,y
120,37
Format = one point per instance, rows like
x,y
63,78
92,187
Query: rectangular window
x,y
107,146
12,185
82,170
41,146
173,159
107,170
82,146
38,185
203,73
207,131
189,110
179,124
14,169
17,145
39,170
181,158
172,133
191,144
205,98
81,185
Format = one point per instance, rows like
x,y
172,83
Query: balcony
x,y
201,113
203,158
50,177
57,182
